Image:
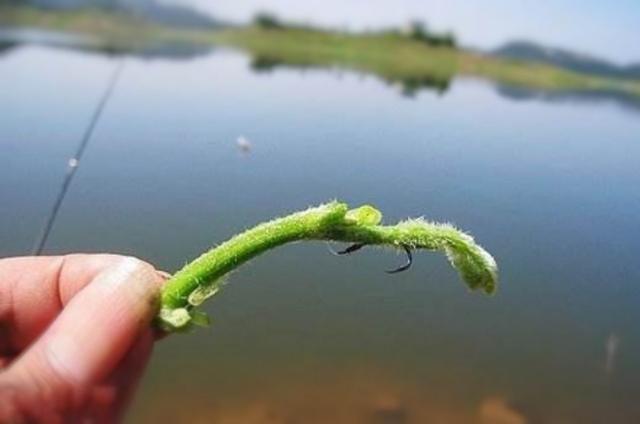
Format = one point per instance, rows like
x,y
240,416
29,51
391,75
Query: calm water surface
x,y
552,189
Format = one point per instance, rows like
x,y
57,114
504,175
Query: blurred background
x,y
158,129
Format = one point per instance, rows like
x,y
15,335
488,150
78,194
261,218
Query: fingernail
x,y
130,272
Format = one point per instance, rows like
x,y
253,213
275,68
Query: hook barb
x,y
407,265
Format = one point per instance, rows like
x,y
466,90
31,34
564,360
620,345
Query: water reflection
x,y
11,39
44,37
411,86
408,86
362,397
611,349
150,51
6,46
626,101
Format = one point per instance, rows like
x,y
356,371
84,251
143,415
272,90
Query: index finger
x,y
34,290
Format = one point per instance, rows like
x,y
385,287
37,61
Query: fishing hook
x,y
357,246
406,266
347,251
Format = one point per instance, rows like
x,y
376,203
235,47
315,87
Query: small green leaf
x,y
199,318
204,292
174,319
364,215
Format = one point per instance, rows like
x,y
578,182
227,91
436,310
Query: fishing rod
x,y
74,161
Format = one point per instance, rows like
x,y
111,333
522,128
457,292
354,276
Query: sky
x,y
605,28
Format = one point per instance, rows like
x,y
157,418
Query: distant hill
x,y
525,50
153,10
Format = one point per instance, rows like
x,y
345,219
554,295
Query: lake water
x,y
552,189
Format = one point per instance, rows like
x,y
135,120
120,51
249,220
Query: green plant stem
x,y
332,221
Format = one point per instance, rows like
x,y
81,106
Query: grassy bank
x,y
386,56
390,56
399,59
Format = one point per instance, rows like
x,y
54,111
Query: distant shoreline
x,y
394,57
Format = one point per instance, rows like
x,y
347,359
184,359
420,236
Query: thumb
x,y
91,335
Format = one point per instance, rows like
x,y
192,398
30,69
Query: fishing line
x,y
74,161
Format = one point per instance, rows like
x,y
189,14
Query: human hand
x,y
74,336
